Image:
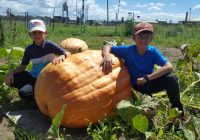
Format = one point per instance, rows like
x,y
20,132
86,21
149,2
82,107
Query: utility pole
x,y
83,10
76,10
26,19
10,16
86,12
190,11
118,11
65,9
186,17
107,12
53,17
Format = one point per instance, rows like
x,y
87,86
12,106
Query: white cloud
x,y
157,4
137,12
138,5
96,11
162,16
156,8
172,4
152,6
123,3
196,7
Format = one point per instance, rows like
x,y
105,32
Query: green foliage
x,y
53,131
129,24
105,130
22,134
175,35
141,123
163,125
11,58
187,69
2,36
189,134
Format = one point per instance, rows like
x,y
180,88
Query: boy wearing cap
x,y
140,60
40,53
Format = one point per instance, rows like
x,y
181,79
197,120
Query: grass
x,y
95,36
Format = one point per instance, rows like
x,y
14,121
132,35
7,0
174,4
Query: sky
x,y
148,10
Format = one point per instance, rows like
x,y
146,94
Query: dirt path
x,y
173,54
6,131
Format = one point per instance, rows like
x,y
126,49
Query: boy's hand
x,y
107,64
9,78
58,59
141,81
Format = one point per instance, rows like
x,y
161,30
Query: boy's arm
x,y
60,58
20,68
107,61
167,68
9,78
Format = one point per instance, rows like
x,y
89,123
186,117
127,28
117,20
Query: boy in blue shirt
x,y
140,60
40,53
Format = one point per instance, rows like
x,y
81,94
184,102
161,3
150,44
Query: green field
x,y
14,38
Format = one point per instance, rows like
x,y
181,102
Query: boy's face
x,y
38,36
143,39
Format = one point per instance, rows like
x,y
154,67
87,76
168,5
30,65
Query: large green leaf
x,y
148,102
141,123
53,131
3,53
189,134
17,52
127,111
198,58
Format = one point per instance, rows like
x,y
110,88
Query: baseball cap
x,y
142,26
36,24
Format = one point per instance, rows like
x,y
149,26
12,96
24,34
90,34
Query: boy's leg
x,y
21,79
167,82
25,83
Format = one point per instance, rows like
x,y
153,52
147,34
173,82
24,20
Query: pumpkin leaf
x,y
148,102
149,135
53,131
198,58
127,111
141,123
17,52
189,134
173,113
3,53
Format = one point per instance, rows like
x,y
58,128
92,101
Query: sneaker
x,y
26,92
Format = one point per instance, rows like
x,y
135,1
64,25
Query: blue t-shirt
x,y
139,65
40,56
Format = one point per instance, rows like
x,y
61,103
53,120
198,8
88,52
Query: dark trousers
x,y
168,82
23,78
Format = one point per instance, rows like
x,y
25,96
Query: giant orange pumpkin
x,y
79,83
74,45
